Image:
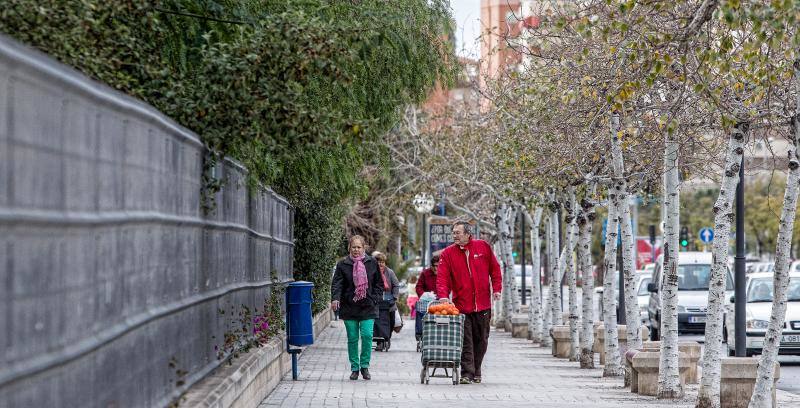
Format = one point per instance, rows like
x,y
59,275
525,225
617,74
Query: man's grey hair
x,y
467,226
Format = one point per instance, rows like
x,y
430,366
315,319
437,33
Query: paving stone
x,y
516,373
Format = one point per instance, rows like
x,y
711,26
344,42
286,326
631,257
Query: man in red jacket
x,y
466,269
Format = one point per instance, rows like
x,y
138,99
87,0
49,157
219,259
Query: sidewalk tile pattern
x,y
516,373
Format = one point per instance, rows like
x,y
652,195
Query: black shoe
x,y
354,375
364,373
465,380
476,380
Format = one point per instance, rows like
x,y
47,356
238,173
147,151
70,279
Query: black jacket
x,y
343,289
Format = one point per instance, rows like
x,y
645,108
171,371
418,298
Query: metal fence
x,y
113,280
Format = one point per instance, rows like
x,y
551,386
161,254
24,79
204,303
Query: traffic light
x,y
684,237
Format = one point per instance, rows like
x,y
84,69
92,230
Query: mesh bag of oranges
x,y
443,309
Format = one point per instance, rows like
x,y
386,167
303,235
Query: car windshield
x,y
694,277
643,286
761,290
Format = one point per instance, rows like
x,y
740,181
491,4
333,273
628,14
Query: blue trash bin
x,y
300,325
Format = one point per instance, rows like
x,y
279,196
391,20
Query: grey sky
x,y
467,14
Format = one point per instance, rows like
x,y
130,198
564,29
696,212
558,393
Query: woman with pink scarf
x,y
355,292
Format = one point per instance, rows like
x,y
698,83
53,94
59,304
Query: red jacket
x,y
466,271
426,282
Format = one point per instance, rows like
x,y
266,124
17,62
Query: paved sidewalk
x,y
516,373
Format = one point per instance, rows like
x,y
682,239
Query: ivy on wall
x,y
300,92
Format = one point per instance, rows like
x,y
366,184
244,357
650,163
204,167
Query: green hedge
x,y
301,92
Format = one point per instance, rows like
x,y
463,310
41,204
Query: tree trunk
x,y
569,270
669,382
723,216
516,295
555,274
511,283
585,222
547,316
501,221
620,195
613,368
535,311
762,394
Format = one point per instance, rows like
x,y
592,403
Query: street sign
x,y
706,235
440,234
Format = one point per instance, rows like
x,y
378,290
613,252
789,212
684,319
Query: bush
x,y
300,92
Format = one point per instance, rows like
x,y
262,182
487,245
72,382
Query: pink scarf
x,y
359,278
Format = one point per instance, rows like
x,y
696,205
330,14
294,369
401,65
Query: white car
x,y
643,296
694,272
528,279
759,309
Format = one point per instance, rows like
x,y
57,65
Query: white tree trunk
x,y
566,260
506,230
501,221
535,311
547,316
723,216
613,368
620,196
555,273
585,221
762,394
509,250
669,382
516,296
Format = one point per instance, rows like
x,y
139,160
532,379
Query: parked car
x,y
528,279
643,296
759,267
694,272
759,308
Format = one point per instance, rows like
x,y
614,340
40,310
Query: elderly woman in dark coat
x,y
391,292
356,289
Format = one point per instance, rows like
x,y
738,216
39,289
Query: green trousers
x,y
356,329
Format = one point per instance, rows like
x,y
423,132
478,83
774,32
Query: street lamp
x,y
423,203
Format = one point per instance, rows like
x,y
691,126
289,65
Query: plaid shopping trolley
x,y
442,340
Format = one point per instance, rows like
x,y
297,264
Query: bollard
x,y
561,341
738,378
645,366
519,326
622,335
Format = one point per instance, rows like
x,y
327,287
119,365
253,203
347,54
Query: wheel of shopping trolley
x,y
455,375
422,375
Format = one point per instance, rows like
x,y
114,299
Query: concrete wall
x,y
109,268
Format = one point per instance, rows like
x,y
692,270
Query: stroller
x,y
382,332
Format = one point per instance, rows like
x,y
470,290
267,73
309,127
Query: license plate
x,y
697,319
790,338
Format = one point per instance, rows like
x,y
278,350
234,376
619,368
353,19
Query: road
x,y
790,367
